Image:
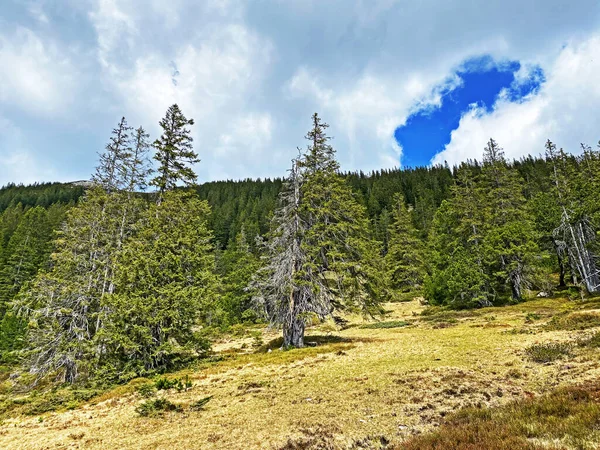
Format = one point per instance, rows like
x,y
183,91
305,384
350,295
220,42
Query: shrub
x,y
146,390
250,316
574,322
593,341
163,384
156,407
532,317
545,353
198,405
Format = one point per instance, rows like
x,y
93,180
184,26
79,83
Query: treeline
x,y
127,281
42,194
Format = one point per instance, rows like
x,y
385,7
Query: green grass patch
x,y
390,324
570,416
41,402
437,314
548,352
574,322
532,317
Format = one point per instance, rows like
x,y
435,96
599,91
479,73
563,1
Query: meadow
x,y
520,376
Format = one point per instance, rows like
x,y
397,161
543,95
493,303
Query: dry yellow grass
x,y
378,386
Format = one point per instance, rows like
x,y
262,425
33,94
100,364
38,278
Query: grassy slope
x,y
372,388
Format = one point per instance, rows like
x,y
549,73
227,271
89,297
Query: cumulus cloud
x,y
19,163
564,110
365,114
212,76
35,74
252,73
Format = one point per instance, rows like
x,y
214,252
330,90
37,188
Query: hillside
x,y
367,386
145,309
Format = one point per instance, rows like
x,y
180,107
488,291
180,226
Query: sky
x,y
401,83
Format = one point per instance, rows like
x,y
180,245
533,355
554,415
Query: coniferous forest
x,y
122,276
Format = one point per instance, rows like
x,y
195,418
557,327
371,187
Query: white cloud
x,y
242,144
365,114
564,110
115,29
19,164
36,9
252,73
212,76
35,74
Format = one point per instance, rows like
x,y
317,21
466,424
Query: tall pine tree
x,y
404,260
174,152
510,240
323,257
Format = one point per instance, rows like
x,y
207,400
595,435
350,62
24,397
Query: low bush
x,y
181,384
574,322
146,390
532,317
548,352
569,417
156,407
592,341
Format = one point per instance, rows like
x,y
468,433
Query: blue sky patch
x,y
427,132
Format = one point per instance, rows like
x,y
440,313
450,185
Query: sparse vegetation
x,y
548,352
592,342
390,324
567,418
363,388
156,407
574,322
199,405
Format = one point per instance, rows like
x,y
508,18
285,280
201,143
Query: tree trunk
x,y
561,266
516,285
293,333
293,327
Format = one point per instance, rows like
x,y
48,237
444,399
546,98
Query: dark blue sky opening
x,y
427,132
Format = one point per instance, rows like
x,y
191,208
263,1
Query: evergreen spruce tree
x,y
9,221
174,152
575,233
166,283
546,214
404,261
278,293
138,168
166,279
236,265
322,256
510,240
65,306
459,275
112,167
